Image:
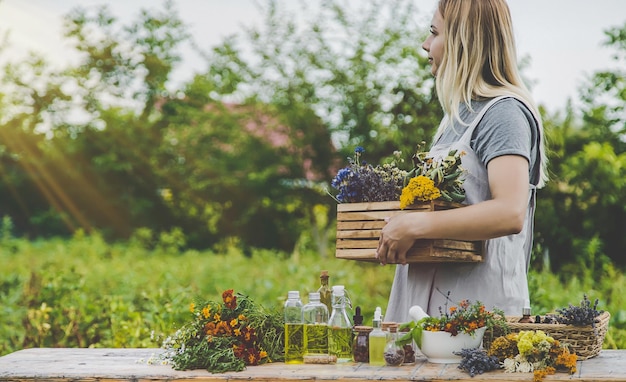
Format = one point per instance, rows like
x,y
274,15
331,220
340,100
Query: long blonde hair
x,y
480,61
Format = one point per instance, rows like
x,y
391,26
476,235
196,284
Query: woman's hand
x,y
398,236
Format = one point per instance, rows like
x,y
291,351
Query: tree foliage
x,y
237,153
242,150
583,209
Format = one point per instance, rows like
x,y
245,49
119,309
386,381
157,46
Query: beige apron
x,y
499,281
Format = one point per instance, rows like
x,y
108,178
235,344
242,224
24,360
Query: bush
x,y
85,292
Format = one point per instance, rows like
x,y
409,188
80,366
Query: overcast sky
x,y
562,37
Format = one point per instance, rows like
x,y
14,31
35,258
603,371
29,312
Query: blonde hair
x,y
480,61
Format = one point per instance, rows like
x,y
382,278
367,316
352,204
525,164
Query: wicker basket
x,y
585,341
359,226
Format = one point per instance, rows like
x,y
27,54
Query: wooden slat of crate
x,y
359,226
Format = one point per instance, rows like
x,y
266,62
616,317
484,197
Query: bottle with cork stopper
x,y
325,291
526,314
394,353
339,327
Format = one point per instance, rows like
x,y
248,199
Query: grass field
x,y
85,292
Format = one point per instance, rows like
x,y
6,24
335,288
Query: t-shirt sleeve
x,y
507,128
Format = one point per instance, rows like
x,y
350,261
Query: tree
x,y
243,149
355,75
584,204
95,158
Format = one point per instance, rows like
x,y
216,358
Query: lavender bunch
x,y
362,182
476,361
582,315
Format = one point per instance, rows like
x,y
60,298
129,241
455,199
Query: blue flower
x,y
342,176
362,182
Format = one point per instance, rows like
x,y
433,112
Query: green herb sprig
x,y
226,336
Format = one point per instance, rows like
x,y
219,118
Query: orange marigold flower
x,y
253,357
227,293
538,375
567,360
223,328
238,350
248,334
209,328
229,299
263,354
241,317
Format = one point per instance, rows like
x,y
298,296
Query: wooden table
x,y
130,365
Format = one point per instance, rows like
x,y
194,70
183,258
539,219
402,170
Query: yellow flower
x,y
525,345
206,311
539,336
192,306
420,188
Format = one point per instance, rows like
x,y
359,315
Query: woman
x,y
489,114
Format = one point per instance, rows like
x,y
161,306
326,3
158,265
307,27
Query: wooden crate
x,y
359,226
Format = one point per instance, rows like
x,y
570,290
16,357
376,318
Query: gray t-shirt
x,y
508,128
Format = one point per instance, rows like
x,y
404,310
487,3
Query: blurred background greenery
x,y
121,200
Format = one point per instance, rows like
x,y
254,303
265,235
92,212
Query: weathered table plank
x,y
44,364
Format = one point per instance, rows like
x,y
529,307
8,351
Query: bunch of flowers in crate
x,y
428,179
368,195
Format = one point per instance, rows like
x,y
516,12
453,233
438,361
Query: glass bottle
x,y
315,319
394,353
339,327
361,344
377,340
294,329
526,314
325,291
409,351
357,319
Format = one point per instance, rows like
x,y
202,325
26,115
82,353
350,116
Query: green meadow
x,y
85,292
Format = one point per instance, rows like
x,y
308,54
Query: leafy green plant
x,y
226,336
466,317
122,294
